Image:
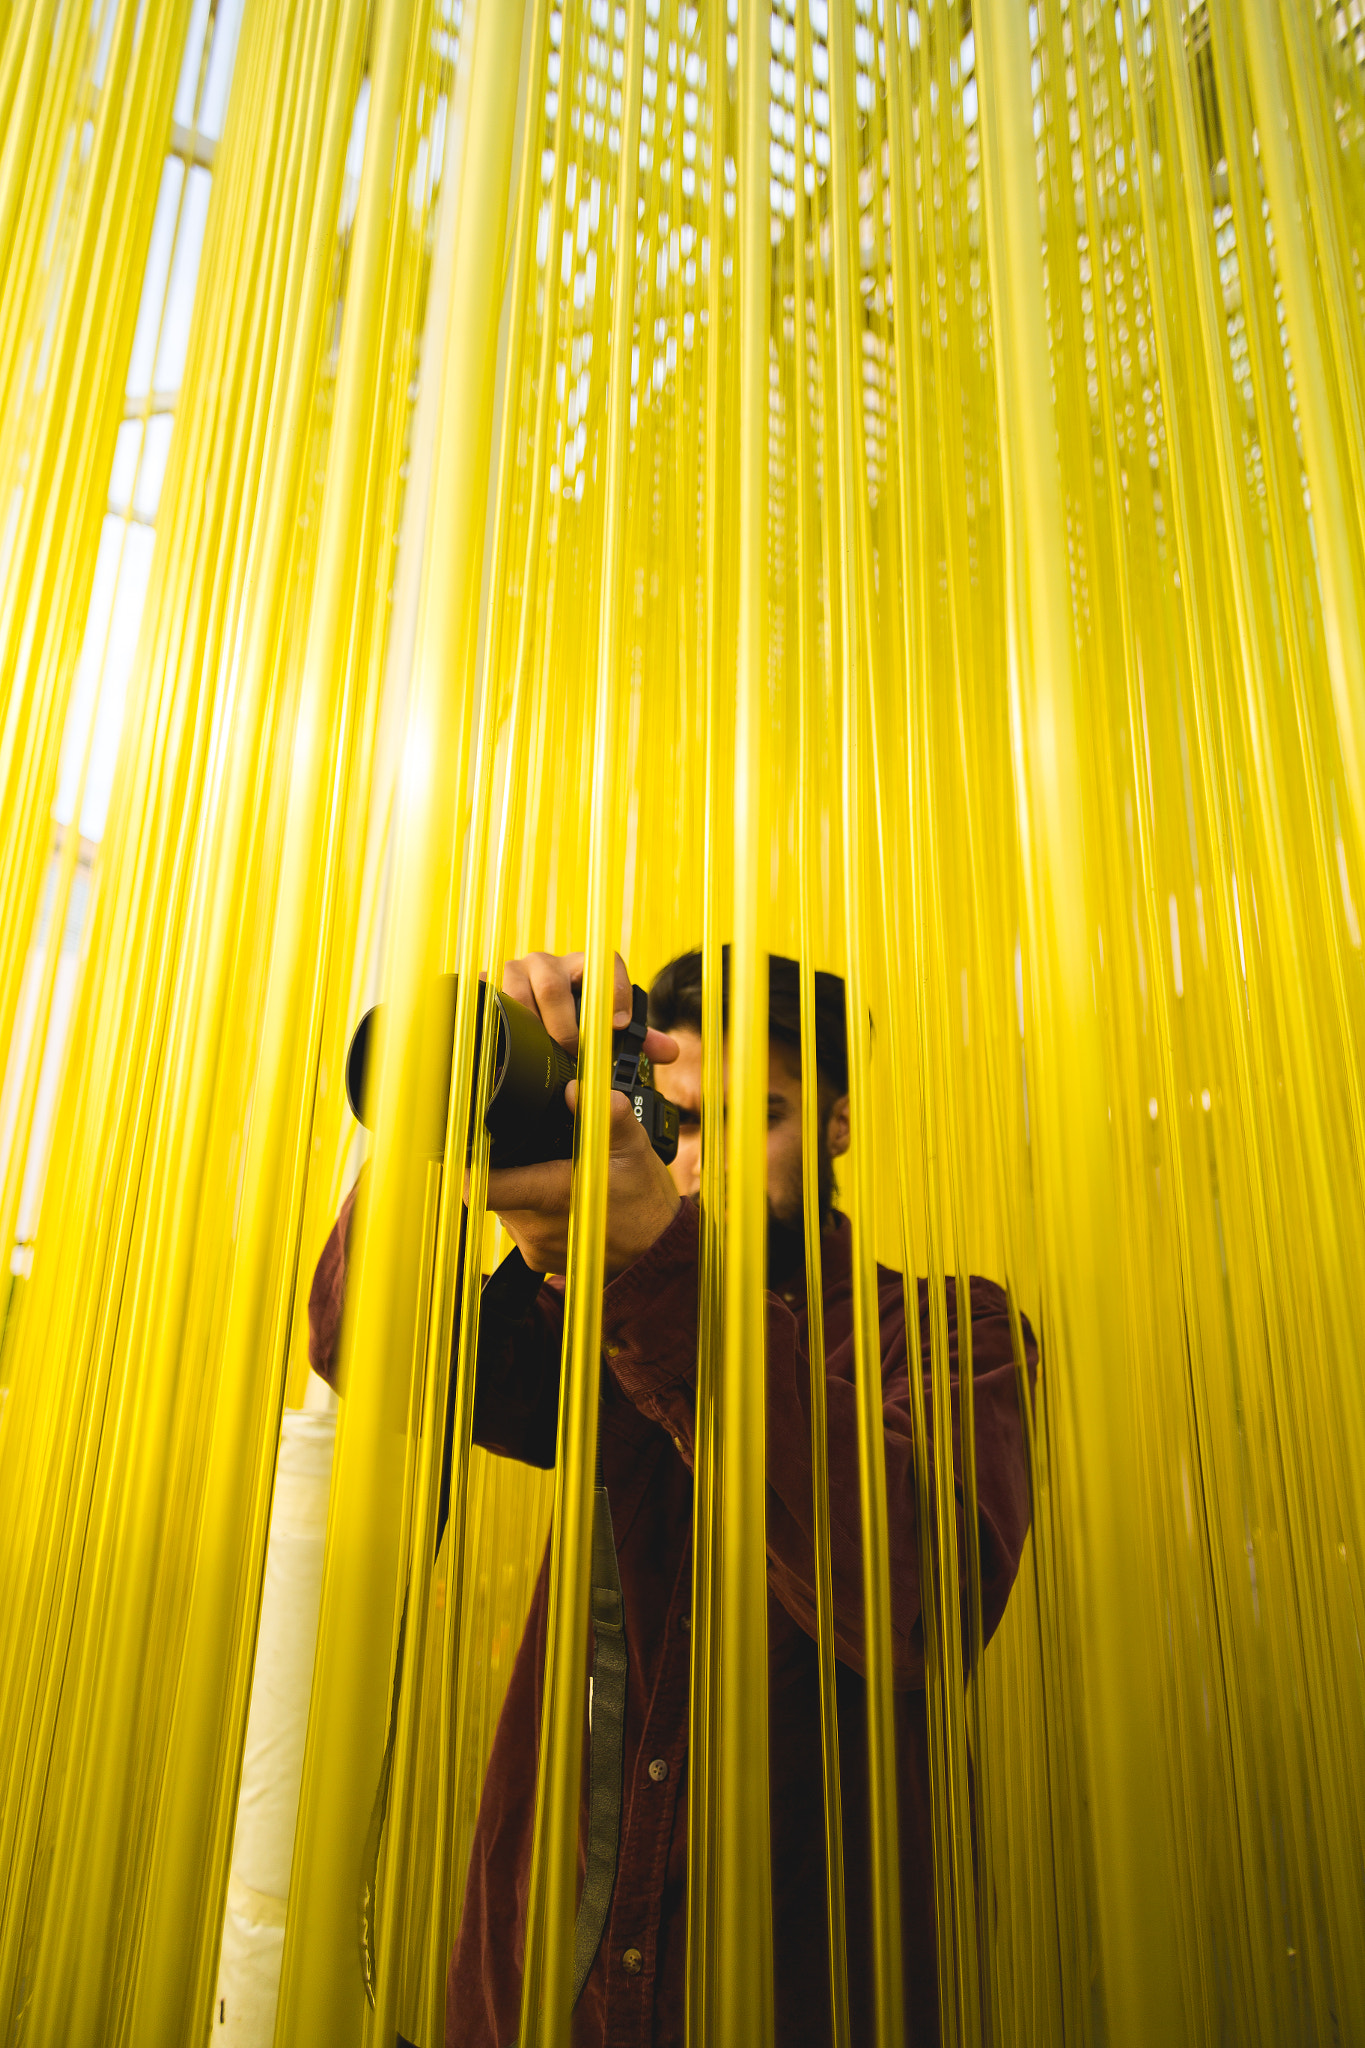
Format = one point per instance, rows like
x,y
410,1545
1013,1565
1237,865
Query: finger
x,y
516,982
623,994
543,1250
658,1046
525,980
521,977
543,1189
552,985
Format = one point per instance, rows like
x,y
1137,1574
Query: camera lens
x,y
527,1118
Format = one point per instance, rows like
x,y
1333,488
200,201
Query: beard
x,y
787,1225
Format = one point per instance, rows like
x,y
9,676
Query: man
x,y
635,1992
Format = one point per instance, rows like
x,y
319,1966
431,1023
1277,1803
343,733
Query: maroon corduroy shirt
x,y
634,1997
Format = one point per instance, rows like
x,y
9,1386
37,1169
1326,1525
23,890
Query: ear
x,y
836,1129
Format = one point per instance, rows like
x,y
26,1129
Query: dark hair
x,y
675,999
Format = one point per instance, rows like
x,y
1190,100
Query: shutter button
x,y
658,1770
632,1962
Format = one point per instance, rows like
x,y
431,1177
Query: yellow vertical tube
x,y
545,2014
811,789
1338,512
857,683
1120,611
915,975
57,438
1118,1657
321,1991
176,1982
744,1996
31,78
1233,1034
103,1722
458,1342
717,733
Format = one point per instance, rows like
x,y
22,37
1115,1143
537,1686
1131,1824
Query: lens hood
x,y
527,1118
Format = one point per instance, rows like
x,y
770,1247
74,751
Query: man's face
x,y
681,1083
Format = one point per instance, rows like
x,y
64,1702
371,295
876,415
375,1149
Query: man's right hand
x,y
533,1201
544,983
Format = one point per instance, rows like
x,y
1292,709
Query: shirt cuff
x,y
649,1312
511,1292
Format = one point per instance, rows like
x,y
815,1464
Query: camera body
x,y
632,1075
527,1118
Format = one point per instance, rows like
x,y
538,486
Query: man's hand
x,y
532,1202
544,984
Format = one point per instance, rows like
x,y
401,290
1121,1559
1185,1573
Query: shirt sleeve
x,y
516,1391
327,1295
649,1324
1002,1492
521,1327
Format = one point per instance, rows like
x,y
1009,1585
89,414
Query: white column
x,y
253,1930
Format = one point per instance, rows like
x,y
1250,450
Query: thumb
x,y
626,1131
625,1125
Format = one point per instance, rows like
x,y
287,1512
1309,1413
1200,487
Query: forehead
x,y
680,1080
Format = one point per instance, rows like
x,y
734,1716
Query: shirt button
x,y
685,1623
611,1349
632,1962
658,1770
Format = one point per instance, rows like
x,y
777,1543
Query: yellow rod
x,y
810,676
546,2017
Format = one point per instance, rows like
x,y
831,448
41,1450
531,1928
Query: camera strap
x,y
607,1740
607,1746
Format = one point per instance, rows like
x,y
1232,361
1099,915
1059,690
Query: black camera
x,y
528,1120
